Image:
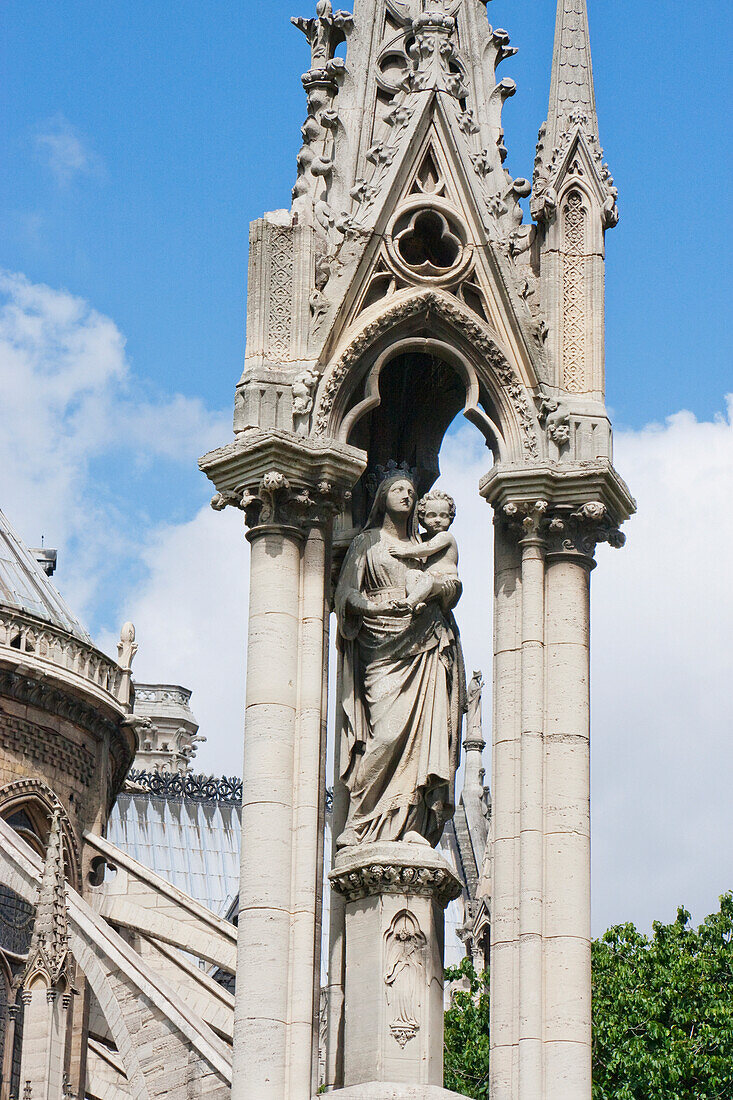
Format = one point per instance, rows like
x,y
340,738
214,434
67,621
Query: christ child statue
x,y
439,550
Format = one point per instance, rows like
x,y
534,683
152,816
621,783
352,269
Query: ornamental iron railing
x,y
195,788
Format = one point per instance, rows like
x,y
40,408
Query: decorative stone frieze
x,y
27,739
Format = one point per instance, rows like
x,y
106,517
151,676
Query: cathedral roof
x,y
25,587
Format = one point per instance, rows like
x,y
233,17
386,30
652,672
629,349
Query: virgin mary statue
x,y
403,687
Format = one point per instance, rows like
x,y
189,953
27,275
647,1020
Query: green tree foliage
x,y
663,1010
466,1065
662,1014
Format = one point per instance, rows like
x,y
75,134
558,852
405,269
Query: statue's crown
x,y
380,473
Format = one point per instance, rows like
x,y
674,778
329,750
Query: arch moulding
x,y
480,360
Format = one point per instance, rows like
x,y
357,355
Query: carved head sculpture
x,y
396,493
436,511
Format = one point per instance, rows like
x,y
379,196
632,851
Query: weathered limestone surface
x,y
395,894
401,288
138,899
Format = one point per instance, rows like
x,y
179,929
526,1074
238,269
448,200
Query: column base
x,y
396,893
388,1090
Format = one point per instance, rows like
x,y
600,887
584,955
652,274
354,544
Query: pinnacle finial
x,y
571,87
49,946
571,111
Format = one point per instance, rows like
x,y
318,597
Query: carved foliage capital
x,y
386,878
565,528
275,501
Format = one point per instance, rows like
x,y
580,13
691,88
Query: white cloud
x,y
662,670
63,149
190,616
70,402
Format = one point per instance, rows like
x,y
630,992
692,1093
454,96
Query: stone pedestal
x,y
395,897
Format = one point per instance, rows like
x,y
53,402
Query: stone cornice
x,y
568,485
279,479
49,652
303,460
394,867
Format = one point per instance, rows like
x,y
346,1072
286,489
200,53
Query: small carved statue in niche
x,y
304,386
403,688
403,975
473,711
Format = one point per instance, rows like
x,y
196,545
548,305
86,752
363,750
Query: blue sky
x,y
188,114
139,140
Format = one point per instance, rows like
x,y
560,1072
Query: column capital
x,y
568,508
394,867
280,479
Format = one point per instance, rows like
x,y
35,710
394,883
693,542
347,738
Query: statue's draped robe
x,y
403,696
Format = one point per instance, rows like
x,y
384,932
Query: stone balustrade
x,y
25,640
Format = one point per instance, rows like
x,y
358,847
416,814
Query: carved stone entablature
x,y
280,478
570,507
394,867
449,310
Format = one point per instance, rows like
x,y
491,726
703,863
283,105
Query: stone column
x,y
505,740
261,1040
309,782
289,488
567,976
540,907
395,896
531,805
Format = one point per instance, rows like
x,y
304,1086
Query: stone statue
x,y
403,689
474,731
304,386
403,975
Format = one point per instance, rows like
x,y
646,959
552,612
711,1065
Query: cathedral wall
x,y
58,749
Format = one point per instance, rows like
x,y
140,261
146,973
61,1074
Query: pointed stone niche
x,y
396,893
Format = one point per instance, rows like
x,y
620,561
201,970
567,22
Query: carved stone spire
x,y
571,87
571,114
49,950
